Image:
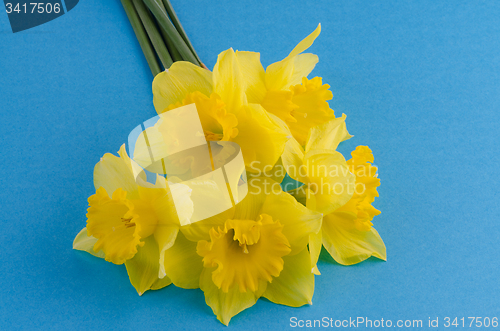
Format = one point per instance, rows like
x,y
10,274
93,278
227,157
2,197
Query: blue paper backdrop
x,y
418,80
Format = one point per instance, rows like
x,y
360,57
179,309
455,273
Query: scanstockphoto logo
x,y
25,15
204,178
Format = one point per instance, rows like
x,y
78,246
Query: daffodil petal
x,y
329,179
205,195
250,207
161,283
180,79
261,139
229,82
142,269
298,221
303,64
168,224
279,75
328,135
290,70
293,160
226,305
306,42
293,154
182,264
278,172
295,285
112,173
149,143
165,235
133,167
254,74
315,244
200,230
84,242
347,245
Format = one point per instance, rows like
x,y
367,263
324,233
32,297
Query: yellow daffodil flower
x,y
264,242
320,167
223,108
130,223
328,183
348,233
258,248
342,190
284,90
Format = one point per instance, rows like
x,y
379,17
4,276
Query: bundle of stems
x,y
160,34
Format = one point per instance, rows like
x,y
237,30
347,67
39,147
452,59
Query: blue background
x,y
418,80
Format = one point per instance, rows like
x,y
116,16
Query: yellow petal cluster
x,y
328,181
348,233
268,244
130,223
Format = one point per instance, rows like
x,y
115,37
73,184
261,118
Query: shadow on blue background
x,y
418,80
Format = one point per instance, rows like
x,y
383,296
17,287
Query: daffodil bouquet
x,y
245,212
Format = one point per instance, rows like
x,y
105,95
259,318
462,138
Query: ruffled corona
x,y
113,222
311,109
366,174
359,207
245,252
280,104
217,123
348,233
365,189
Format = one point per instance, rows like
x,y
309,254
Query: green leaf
x,y
176,56
178,26
161,16
142,37
153,33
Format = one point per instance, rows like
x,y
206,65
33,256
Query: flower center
x,y
210,136
245,253
110,221
217,123
127,223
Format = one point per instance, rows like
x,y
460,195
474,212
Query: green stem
x,y
154,35
176,56
164,21
143,39
178,26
